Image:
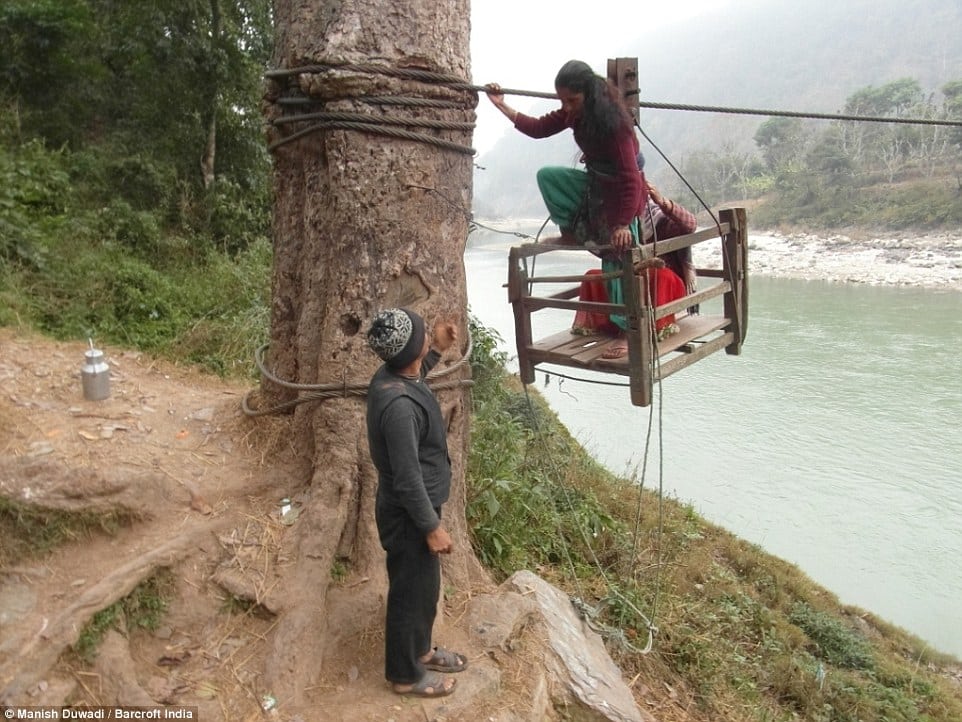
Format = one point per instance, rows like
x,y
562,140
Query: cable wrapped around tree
x,y
319,392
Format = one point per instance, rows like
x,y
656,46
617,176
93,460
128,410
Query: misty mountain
x,y
760,54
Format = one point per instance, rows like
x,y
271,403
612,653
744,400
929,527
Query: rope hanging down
x,y
590,614
319,392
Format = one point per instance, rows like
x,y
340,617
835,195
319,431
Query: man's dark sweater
x,y
408,442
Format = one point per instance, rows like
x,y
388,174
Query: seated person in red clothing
x,y
665,286
675,280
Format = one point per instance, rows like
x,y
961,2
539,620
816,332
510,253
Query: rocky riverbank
x,y
932,261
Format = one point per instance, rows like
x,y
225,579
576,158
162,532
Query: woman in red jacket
x,y
601,203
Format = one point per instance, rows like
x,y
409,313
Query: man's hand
x,y
439,541
445,335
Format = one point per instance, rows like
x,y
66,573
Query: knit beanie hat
x,y
397,336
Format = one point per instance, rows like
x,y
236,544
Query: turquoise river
x,y
833,441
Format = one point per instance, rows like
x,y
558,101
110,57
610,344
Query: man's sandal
x,y
443,660
431,684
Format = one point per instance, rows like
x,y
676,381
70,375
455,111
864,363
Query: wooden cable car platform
x,y
648,359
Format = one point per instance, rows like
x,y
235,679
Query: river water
x,y
833,441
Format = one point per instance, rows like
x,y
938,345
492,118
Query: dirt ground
x,y
171,462
166,454
188,489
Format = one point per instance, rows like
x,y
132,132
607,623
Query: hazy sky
x,y
522,43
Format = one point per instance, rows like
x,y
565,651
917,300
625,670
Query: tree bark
x,y
361,222
210,147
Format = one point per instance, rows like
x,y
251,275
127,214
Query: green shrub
x,y
33,186
835,642
487,360
523,505
235,217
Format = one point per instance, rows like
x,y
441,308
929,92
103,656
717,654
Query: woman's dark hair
x,y
603,113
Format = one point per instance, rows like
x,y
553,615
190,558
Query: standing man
x,y
408,442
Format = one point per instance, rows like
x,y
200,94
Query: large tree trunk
x,y
361,222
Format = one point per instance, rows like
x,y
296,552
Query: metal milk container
x,y
95,375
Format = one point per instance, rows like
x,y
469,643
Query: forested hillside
x,y
134,179
757,55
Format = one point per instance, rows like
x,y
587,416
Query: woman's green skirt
x,y
574,204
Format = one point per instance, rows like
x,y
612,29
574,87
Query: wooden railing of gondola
x,y
691,343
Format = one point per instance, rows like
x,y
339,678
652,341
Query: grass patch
x,y
339,571
143,608
30,532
